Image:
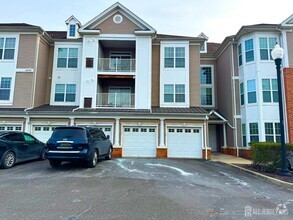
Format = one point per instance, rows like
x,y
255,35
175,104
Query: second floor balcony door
x,y
120,61
119,97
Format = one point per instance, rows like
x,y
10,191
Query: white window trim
x,y
268,49
271,92
10,101
209,86
174,45
174,103
64,103
274,130
205,47
238,55
256,93
248,129
67,68
253,49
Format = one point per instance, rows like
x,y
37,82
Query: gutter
x,y
234,100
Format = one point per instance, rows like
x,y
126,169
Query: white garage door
x,y
43,133
184,142
10,127
139,142
107,129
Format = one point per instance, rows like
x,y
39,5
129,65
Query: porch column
x,y
117,132
71,121
27,124
162,133
224,135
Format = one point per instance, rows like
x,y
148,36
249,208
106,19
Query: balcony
x,y
115,100
116,65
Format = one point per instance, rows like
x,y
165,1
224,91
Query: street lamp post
x,y
277,55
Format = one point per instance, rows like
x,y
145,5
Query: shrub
x,y
267,156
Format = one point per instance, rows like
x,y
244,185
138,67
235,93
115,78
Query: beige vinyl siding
x,y
224,87
194,75
109,27
156,75
27,51
290,48
23,90
49,75
42,74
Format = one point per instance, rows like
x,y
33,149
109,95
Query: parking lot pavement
x,y
139,189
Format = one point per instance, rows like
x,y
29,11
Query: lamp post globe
x,y
277,54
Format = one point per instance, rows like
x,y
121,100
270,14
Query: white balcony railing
x,y
115,100
116,65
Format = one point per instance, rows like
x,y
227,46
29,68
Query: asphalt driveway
x,y
139,189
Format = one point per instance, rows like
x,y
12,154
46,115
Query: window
x,y
143,130
7,48
266,45
89,63
272,132
243,130
269,90
251,91
65,92
67,57
126,129
174,57
72,30
206,80
253,130
5,86
242,94
239,55
249,52
29,138
203,47
179,93
151,130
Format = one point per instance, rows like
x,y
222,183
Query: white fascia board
x,y
81,31
144,32
68,43
284,23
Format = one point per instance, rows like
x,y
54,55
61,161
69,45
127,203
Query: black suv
x,y
78,143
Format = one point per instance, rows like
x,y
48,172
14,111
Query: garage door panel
x,y
184,142
139,142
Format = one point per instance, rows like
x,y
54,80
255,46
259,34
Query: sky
x,y
216,18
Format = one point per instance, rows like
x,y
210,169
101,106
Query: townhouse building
x,y
155,95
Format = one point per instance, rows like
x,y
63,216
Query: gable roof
x,y
73,18
144,27
288,22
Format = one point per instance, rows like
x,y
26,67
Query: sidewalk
x,y
229,159
238,161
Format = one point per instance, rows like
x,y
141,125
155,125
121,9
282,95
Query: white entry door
x,y
184,142
139,141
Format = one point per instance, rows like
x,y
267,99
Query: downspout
x,y
234,100
205,137
27,120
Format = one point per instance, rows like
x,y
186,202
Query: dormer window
x,y
72,29
203,47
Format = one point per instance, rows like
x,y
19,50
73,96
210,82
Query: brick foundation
x,y
162,152
204,154
245,153
288,84
229,150
117,152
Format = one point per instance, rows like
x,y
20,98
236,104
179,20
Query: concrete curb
x,y
259,175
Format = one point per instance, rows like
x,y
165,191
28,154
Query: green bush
x,y
267,156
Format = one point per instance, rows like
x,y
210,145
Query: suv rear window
x,y
69,133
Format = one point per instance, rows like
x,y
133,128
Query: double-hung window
x,y
67,57
242,101
65,92
249,51
243,131
272,132
270,90
266,45
7,48
240,55
251,91
174,93
174,57
206,83
72,28
253,130
5,87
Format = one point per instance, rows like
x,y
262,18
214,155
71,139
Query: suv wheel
x,y
8,160
109,156
55,163
93,160
43,154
